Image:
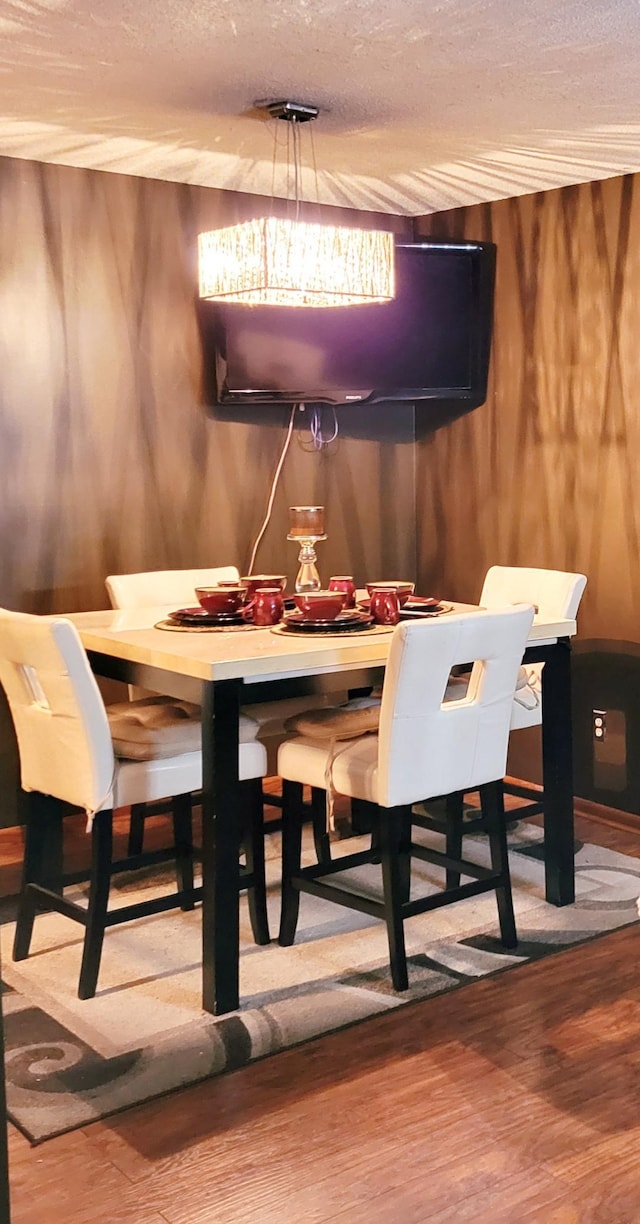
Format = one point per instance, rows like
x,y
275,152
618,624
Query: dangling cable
x,y
273,162
272,494
296,167
315,167
316,428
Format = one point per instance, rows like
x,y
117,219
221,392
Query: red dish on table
x,y
416,603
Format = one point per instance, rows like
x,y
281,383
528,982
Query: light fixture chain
x,y
315,167
296,167
273,163
291,180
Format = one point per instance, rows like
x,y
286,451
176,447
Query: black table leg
x,y
220,847
5,1209
557,764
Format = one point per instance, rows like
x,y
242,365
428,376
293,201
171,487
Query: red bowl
x,y
221,599
404,589
320,605
256,582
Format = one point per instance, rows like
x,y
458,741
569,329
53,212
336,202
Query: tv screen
x,y
431,342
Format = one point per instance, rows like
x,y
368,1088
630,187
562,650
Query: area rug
x,y
144,1034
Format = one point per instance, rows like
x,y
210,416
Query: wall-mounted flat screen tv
x,y
432,342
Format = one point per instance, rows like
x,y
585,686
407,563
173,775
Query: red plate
x,y
198,610
420,604
416,602
351,619
199,615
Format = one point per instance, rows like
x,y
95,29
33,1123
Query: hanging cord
x,y
297,169
272,494
91,813
281,147
317,440
316,428
291,167
315,167
273,162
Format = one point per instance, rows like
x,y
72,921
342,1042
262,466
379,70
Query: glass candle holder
x,y
306,527
306,522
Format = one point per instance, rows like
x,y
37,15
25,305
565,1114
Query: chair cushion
x,y
353,721
527,702
161,727
272,716
459,682
145,781
354,768
355,718
529,686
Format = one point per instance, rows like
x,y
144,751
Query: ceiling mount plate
x,y
295,112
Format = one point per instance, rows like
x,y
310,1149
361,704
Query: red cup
x,y
404,589
267,606
384,605
320,605
344,582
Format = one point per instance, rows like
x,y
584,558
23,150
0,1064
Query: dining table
x,y
226,669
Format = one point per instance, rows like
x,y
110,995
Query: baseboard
x,y
627,821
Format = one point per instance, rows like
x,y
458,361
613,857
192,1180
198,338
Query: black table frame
x,y
557,768
5,1206
221,701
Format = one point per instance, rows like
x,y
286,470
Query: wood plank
x,y
68,1181
465,1086
604,1179
512,1099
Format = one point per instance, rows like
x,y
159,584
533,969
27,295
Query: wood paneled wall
x,y
546,473
110,460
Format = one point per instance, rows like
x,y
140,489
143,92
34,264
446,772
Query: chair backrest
x,y
59,716
156,587
430,747
552,592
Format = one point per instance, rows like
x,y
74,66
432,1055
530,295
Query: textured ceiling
x,y
425,104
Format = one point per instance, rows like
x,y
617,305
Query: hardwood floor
x,y
515,1099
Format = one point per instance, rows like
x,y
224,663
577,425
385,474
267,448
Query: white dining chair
x,y
76,753
153,588
556,595
178,586
149,589
425,746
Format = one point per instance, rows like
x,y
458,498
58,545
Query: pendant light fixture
x,y
275,261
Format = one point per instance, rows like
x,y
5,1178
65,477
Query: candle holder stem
x,y
306,527
308,578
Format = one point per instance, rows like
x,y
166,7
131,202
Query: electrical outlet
x,y
609,749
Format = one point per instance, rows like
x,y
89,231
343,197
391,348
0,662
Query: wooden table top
x,y
251,654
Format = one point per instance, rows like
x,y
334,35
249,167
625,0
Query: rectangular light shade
x,y
278,262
